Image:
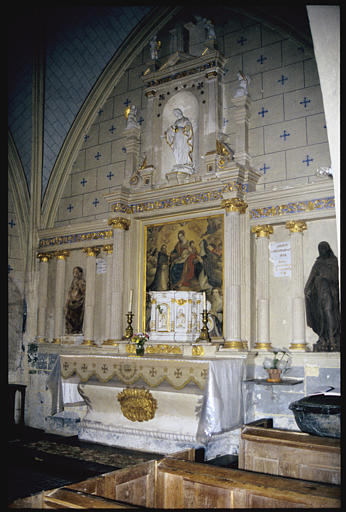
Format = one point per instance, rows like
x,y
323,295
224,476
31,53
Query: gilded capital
x,y
61,255
92,251
262,231
234,205
119,223
296,226
44,256
108,248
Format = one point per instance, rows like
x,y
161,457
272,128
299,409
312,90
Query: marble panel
x,y
110,175
305,161
98,156
79,164
286,135
316,128
294,52
233,23
269,35
248,38
112,129
232,66
92,137
13,247
256,142
119,150
262,59
121,86
84,182
94,203
303,102
12,224
255,87
283,79
122,100
267,111
68,190
311,75
135,76
272,166
105,112
70,208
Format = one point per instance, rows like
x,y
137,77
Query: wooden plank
x,y
70,498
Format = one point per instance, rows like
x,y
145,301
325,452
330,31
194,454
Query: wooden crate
x,y
291,454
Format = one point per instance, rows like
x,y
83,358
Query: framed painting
x,y
187,255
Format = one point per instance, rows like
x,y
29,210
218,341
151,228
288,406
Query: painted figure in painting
x,y
179,137
74,306
322,300
161,279
186,264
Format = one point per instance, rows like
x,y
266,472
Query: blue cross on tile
x,y
282,79
98,156
242,40
86,137
12,223
110,175
264,168
262,112
96,202
305,102
284,135
69,208
307,161
140,120
83,182
100,112
123,150
261,59
127,102
225,121
9,268
112,129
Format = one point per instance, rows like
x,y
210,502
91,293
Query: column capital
x,y
263,231
234,205
119,223
108,248
91,251
296,226
44,256
61,255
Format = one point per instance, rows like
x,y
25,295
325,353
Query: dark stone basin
x,y
318,415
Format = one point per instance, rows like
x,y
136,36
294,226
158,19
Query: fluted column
x,y
232,272
59,294
296,229
262,285
119,225
42,296
90,277
108,299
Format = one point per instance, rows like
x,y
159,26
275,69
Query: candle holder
x,y
129,330
204,334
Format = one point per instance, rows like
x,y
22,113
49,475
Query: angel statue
x,y
244,82
179,137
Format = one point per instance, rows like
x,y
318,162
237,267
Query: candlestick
x,y
204,334
204,301
129,330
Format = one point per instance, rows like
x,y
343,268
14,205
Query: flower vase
x,y
274,375
140,350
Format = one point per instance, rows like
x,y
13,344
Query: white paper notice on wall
x,y
101,266
280,256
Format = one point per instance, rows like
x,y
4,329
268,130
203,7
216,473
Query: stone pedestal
x,y
59,295
91,253
43,289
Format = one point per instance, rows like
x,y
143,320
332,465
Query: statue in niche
x,y
322,300
244,82
131,114
154,50
74,306
179,137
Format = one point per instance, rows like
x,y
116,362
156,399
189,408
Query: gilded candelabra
x,y
204,334
129,330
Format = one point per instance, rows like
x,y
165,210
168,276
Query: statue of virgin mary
x,y
179,136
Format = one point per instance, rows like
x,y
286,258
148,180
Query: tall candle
x,y
130,301
204,301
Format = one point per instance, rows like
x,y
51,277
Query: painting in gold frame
x,y
187,255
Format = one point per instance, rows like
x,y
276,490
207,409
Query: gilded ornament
x,y
180,302
92,251
119,223
262,231
61,255
233,344
44,256
197,350
298,346
263,345
234,205
296,226
108,248
89,343
137,404
163,349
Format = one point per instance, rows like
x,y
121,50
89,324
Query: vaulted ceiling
x,y
76,42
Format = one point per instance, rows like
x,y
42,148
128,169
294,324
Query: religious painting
x,y
187,256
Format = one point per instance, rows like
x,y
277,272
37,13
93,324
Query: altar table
x,y
160,404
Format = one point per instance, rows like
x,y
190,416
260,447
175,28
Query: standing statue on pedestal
x,y
244,82
74,306
179,137
322,300
131,115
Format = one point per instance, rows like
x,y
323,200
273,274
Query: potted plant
x,y
278,364
139,339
